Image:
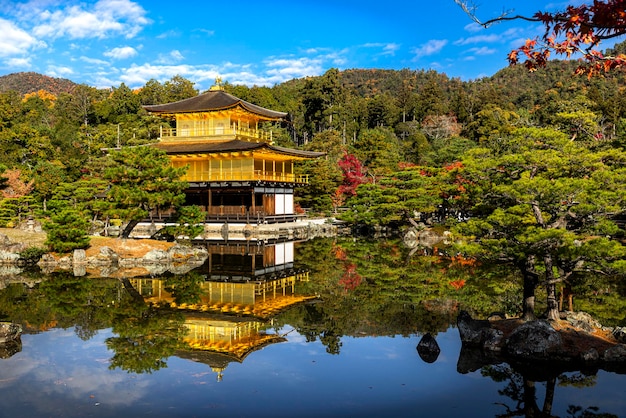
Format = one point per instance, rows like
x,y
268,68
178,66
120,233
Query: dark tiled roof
x,y
229,146
213,100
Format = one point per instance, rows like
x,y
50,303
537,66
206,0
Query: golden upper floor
x,y
216,116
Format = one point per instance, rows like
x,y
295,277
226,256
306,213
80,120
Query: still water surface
x,y
348,352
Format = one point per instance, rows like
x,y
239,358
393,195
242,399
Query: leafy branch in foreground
x,y
574,30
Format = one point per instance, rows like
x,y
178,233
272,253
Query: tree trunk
x,y
552,312
129,228
134,294
549,399
530,284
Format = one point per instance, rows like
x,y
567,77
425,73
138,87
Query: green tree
x,y
378,149
320,98
47,177
324,181
142,183
67,231
545,204
189,224
178,88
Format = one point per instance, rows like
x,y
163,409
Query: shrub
x,y
67,231
31,255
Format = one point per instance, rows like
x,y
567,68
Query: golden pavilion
x,y
234,171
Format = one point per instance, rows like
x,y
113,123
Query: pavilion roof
x,y
235,145
213,100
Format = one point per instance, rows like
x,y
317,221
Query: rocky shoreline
x,y
576,342
107,255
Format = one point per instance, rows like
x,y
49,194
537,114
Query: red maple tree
x,y
353,174
574,30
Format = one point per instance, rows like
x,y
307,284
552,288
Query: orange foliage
x,y
577,29
43,95
350,278
457,284
15,186
340,253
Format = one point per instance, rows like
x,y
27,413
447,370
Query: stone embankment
x,y
110,256
105,261
302,229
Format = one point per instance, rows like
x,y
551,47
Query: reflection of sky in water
x,y
57,374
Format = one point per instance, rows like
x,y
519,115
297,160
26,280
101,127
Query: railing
x,y
235,213
241,213
256,175
215,132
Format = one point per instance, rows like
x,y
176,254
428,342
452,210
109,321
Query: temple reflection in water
x,y
242,287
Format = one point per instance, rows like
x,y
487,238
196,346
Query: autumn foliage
x,y
577,30
15,186
353,174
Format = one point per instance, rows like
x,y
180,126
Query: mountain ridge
x,y
30,82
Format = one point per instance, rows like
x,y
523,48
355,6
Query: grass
x,y
123,247
31,239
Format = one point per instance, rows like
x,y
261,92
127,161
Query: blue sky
x,y
104,43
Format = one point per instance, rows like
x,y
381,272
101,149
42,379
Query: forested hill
x,y
30,82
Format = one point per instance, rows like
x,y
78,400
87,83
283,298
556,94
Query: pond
x,y
328,327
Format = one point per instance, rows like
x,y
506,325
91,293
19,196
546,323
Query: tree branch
x,y
470,8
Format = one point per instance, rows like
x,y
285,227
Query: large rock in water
x,y
533,340
9,332
478,333
428,349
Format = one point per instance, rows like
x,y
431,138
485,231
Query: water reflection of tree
x,y
61,300
521,389
146,335
75,301
376,287
185,288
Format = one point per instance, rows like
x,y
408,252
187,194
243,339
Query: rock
x,y
8,257
429,238
9,332
619,333
496,316
582,320
428,349
107,255
533,340
615,354
153,256
590,356
478,333
79,256
4,240
10,348
186,253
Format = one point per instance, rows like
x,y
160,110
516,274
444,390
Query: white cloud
x,y
94,61
138,75
429,48
107,17
387,48
473,27
171,58
121,53
482,51
59,71
288,68
479,39
168,34
18,63
15,41
207,32
390,49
